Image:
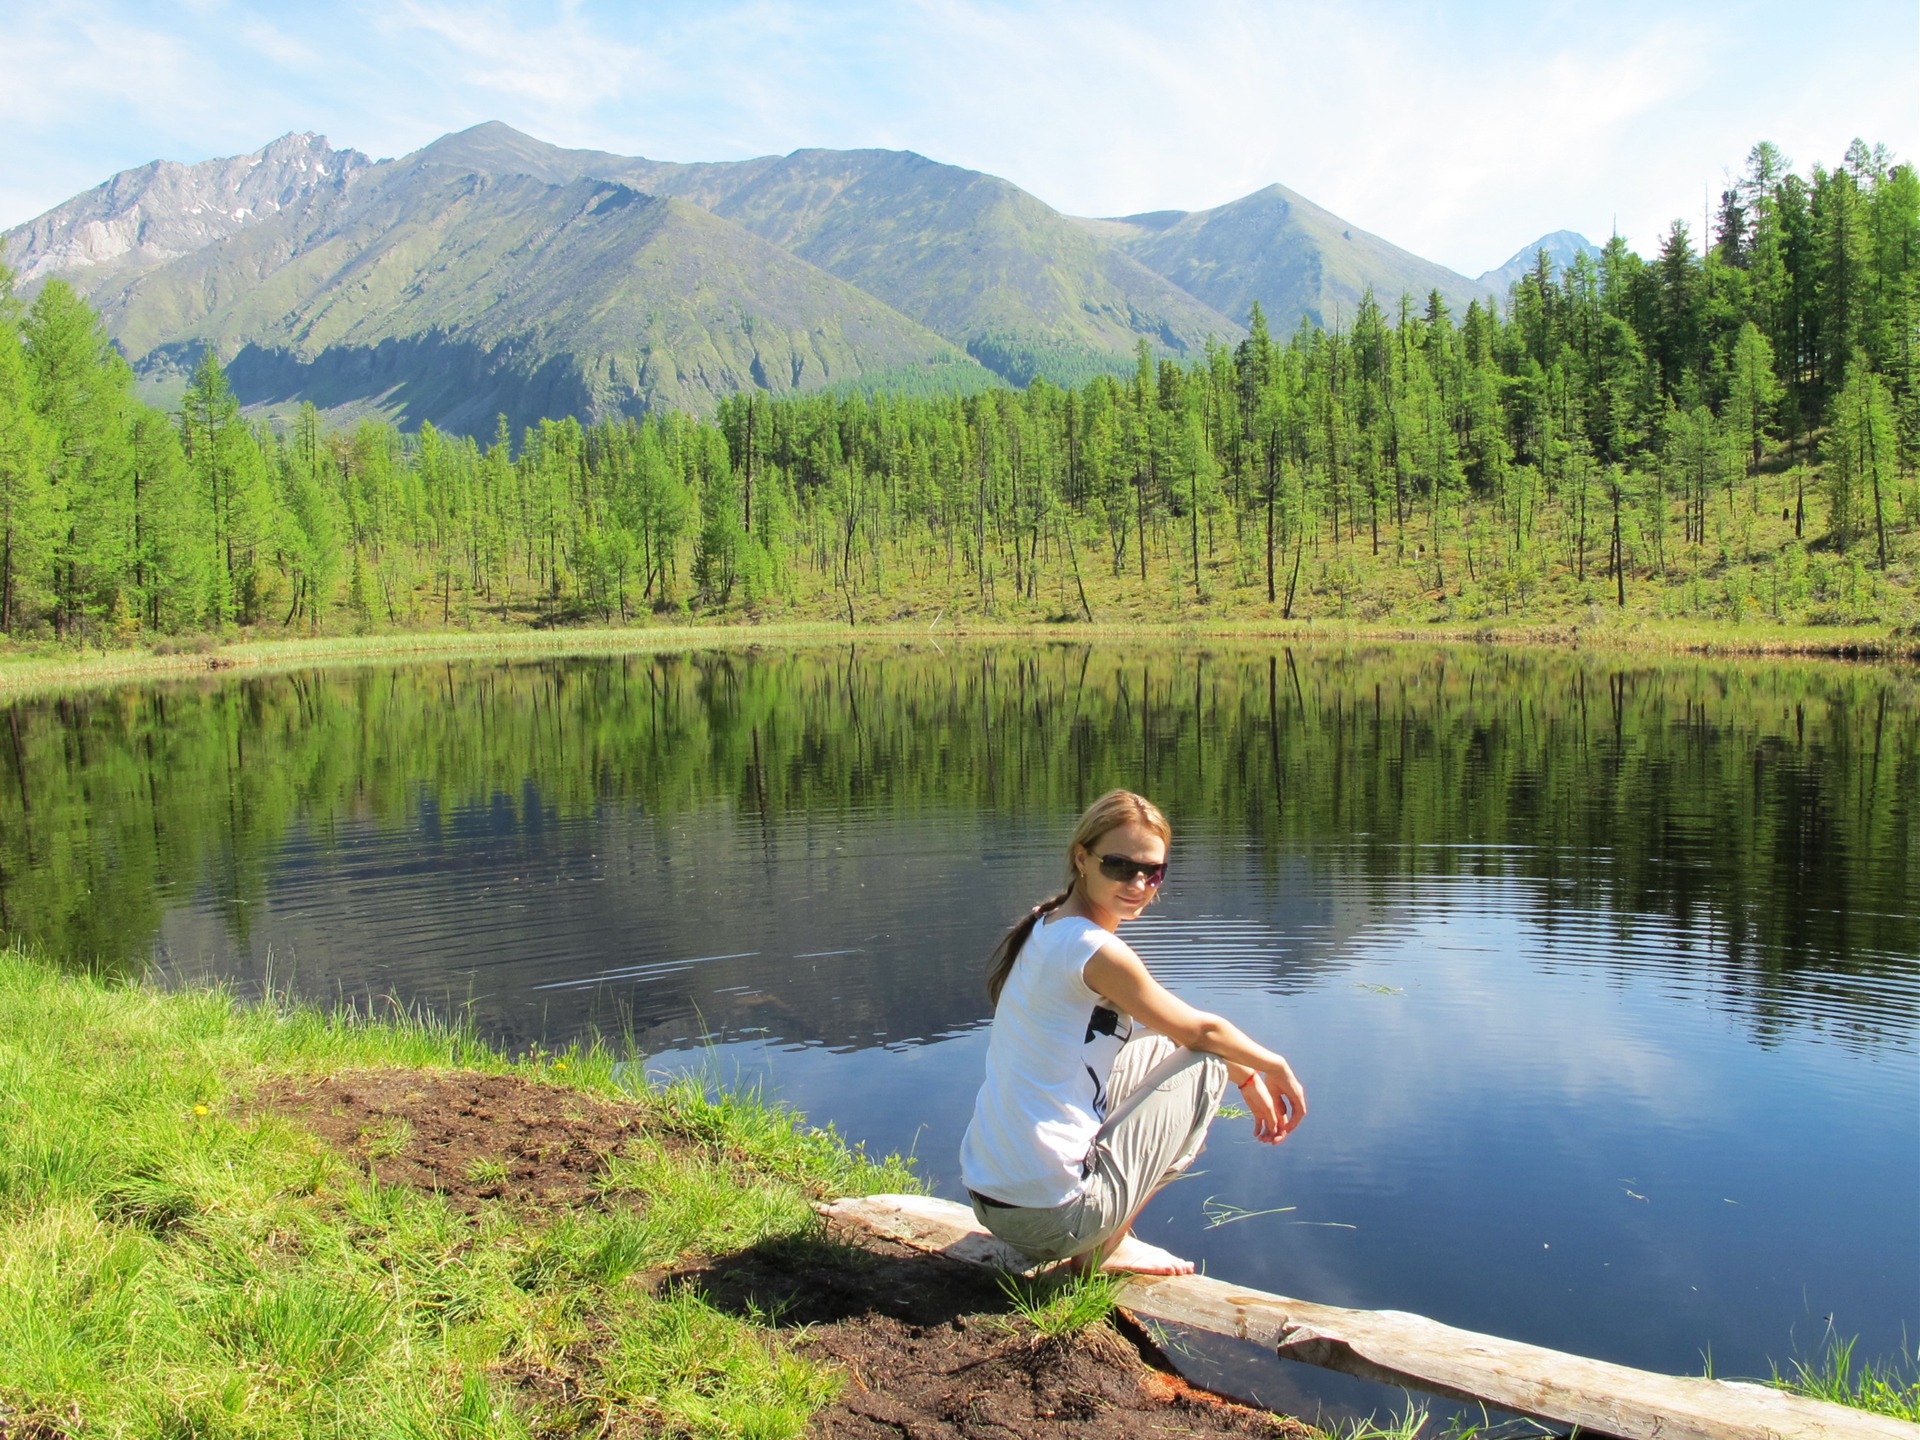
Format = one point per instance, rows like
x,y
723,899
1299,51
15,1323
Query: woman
x,y
1100,1082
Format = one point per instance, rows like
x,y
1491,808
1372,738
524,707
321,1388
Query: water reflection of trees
x,y
1766,808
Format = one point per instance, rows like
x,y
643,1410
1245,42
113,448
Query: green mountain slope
x,y
1298,260
443,295
1021,287
971,256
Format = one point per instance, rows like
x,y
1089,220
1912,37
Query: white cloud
x,y
276,45
564,66
71,67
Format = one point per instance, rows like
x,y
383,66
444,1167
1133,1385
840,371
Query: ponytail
x,y
1000,963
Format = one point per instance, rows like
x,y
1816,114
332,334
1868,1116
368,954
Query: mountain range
x,y
490,273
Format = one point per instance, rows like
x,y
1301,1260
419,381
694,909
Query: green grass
x,y
1887,1388
488,1171
1415,1422
1409,1424
1063,1303
173,1263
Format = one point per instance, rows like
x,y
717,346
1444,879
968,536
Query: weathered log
x,y
1412,1351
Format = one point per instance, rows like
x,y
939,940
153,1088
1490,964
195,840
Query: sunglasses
x,y
1123,868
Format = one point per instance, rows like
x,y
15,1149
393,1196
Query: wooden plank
x,y
1412,1351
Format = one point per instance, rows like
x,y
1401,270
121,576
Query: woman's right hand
x,y
1277,1103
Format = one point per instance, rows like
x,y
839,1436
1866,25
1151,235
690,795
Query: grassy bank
x,y
24,669
180,1255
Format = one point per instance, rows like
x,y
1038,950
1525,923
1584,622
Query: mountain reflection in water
x,y
1568,948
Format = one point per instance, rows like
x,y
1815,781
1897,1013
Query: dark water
x,y
1601,973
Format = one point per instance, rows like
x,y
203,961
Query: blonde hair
x,y
1109,812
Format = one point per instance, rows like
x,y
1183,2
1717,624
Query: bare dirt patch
x,y
477,1139
930,1352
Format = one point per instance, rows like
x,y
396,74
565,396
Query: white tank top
x,y
1049,1056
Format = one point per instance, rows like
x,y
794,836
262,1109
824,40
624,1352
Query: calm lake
x,y
1602,972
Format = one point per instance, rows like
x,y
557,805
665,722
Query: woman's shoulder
x,y
1071,932
1068,944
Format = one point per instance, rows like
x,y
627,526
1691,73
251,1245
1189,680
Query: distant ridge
x,y
477,277
1561,247
491,273
969,255
1299,261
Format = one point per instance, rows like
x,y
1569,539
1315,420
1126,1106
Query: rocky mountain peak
x,y
1562,246
155,213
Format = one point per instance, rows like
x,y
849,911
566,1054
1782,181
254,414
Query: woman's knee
x,y
1139,1058
1213,1077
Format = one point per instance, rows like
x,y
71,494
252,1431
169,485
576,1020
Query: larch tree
x,y
26,511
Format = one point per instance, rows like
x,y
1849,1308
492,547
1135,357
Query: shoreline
x,y
22,674
306,1222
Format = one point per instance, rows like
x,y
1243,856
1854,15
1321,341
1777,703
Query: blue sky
x,y
1460,130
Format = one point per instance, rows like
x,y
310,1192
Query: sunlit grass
x,y
46,667
1409,1424
1063,1302
1885,1388
680,1363
174,1263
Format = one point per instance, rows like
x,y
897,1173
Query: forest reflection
x,y
1763,812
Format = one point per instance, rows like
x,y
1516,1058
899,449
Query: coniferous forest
x,y
1727,435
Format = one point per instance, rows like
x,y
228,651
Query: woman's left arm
x,y
1275,1097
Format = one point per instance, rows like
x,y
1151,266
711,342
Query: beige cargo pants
x,y
1163,1100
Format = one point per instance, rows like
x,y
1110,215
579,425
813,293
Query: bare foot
x,y
1134,1256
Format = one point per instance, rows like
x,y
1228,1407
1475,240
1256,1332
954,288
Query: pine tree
x,y
1842,277
169,573
1752,393
83,392
314,522
1861,458
225,465
1677,329
26,520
